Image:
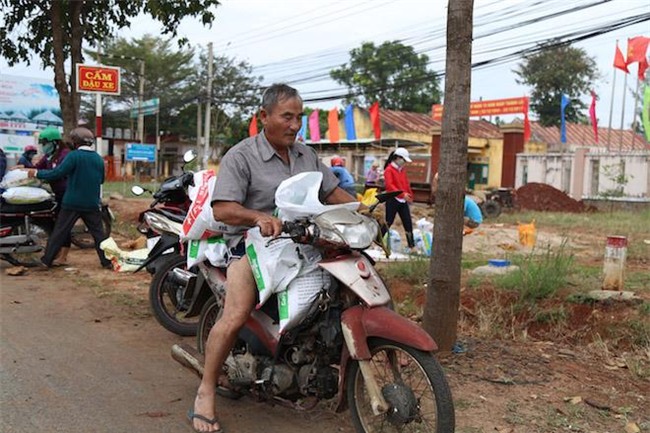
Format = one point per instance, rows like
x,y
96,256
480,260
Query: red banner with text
x,y
491,108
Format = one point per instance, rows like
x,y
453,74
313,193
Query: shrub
x,y
540,275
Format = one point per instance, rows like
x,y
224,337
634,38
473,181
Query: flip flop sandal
x,y
191,416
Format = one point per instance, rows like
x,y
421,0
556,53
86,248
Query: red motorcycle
x,y
349,345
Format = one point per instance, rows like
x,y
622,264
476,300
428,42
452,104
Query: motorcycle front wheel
x,y
165,298
412,383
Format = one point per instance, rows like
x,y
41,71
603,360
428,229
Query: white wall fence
x,y
585,173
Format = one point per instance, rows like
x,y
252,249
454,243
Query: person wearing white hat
x,y
396,180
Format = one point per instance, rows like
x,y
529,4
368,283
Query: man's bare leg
x,y
240,301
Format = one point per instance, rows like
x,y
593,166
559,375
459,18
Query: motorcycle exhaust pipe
x,y
181,276
189,357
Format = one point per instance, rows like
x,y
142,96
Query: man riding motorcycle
x,y
244,196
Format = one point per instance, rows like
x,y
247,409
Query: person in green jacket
x,y
82,198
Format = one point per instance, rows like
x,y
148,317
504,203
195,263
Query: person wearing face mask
x,y
395,179
55,150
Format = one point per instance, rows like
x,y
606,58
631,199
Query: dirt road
x,y
75,358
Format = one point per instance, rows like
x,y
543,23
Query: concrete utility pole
x,y
140,100
206,135
98,110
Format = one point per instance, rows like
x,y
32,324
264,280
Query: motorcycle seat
x,y
8,208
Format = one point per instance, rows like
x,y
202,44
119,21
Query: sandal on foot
x,y
191,416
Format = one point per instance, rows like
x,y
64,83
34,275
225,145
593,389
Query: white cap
x,y
400,151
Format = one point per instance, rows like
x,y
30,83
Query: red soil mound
x,y
543,197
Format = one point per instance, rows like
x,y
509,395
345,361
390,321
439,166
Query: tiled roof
x,y
404,121
583,135
483,129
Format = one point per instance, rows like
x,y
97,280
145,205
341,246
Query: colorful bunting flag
x,y
592,115
563,104
333,125
302,134
636,49
375,121
252,127
619,60
314,127
350,130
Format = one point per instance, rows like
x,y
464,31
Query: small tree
x,y
557,69
391,73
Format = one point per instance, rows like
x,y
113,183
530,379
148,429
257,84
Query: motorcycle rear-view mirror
x,y
137,190
189,156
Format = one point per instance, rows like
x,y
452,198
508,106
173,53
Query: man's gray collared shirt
x,y
251,171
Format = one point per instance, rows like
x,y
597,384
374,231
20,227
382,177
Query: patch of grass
x,y
638,280
644,309
633,225
472,260
124,188
125,228
540,275
555,316
462,404
415,271
512,415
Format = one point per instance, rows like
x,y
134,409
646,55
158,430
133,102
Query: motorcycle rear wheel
x,y
413,384
168,310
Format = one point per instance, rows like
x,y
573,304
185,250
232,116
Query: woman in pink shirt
x,y
396,180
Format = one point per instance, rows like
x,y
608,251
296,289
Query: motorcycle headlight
x,y
347,228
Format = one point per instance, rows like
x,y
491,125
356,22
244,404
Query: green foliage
x,y
616,174
27,27
554,70
414,271
540,275
55,30
391,73
173,76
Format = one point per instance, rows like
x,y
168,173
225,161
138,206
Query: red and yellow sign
x,y
489,108
98,79
493,107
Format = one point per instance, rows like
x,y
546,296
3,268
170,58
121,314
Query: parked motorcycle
x,y
350,345
174,204
24,229
166,260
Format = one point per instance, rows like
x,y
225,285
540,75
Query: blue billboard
x,y
140,152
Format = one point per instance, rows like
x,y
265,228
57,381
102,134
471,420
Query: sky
x,y
298,42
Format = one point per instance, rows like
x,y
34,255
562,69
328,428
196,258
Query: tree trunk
x,y
58,32
76,32
441,310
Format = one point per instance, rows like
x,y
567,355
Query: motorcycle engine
x,y
242,369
